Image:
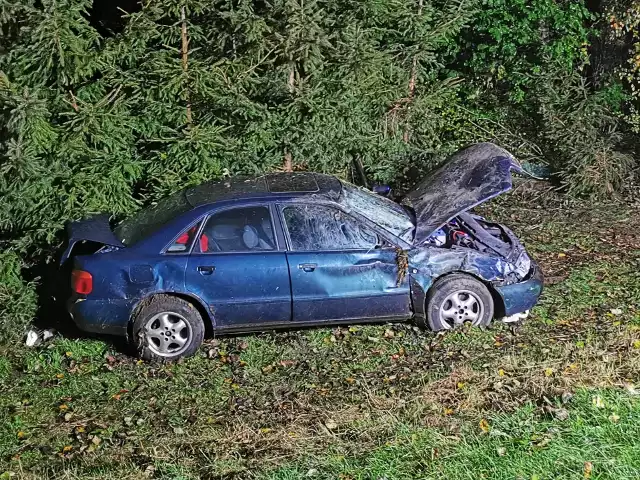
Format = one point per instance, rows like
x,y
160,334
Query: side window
x,y
318,227
245,229
184,241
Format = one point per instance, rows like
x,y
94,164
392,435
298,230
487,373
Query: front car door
x,y
237,268
340,268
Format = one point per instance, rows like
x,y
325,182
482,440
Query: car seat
x,y
252,240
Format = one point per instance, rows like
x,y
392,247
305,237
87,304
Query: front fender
x,y
428,264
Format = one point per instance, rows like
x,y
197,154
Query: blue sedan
x,y
302,249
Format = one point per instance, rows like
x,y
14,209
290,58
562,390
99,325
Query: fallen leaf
x,y
597,401
561,414
484,426
67,449
588,468
616,311
63,407
21,435
265,430
562,255
448,411
614,418
501,451
548,372
331,424
388,333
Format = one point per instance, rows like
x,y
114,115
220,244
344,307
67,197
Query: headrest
x,y
250,237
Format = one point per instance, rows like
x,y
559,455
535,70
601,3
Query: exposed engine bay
x,y
475,232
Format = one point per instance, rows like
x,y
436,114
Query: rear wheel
x,y
167,328
458,299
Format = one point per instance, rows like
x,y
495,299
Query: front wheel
x,y
457,299
167,328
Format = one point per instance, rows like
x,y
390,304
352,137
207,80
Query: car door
x,y
340,268
237,269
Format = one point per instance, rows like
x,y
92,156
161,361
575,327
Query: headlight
x,y
523,265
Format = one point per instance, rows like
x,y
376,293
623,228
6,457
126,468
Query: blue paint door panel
x,y
344,285
242,288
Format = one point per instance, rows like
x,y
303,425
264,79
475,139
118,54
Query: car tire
x,y
457,299
166,328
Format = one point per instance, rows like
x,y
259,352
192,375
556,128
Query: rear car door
x,y
340,268
237,269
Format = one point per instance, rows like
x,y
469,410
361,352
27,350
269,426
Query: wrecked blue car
x,y
302,249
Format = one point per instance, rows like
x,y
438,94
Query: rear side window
x,y
246,229
319,227
185,240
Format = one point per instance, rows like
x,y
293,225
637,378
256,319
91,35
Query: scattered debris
x,y
36,337
516,317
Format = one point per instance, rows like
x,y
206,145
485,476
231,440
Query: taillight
x,y
81,282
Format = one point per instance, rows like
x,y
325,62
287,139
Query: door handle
x,y
307,267
206,269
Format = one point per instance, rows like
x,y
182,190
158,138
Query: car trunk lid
x,y
468,178
95,229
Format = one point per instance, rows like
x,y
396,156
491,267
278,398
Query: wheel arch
x,y
199,305
498,301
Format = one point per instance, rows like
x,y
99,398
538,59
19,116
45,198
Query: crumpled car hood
x,y
468,178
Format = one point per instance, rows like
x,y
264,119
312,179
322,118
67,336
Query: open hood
x,y
468,178
95,229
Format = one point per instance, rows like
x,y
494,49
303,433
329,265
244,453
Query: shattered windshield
x,y
150,219
380,210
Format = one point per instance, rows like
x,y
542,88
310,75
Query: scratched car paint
x,y
299,249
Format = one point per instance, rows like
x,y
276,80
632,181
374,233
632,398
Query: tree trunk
x,y
412,84
185,62
288,158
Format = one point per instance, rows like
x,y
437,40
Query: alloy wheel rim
x,y
459,307
168,334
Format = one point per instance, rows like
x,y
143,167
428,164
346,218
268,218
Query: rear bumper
x,y
108,317
522,296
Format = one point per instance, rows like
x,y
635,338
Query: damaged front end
x,y
449,239
472,232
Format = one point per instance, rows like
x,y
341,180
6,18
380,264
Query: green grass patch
x,y
599,436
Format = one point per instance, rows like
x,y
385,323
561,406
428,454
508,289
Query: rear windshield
x,y
380,210
149,220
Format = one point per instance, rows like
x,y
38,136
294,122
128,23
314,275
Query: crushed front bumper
x,y
522,296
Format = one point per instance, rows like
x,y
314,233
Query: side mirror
x,y
384,190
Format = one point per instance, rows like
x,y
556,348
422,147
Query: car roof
x,y
270,185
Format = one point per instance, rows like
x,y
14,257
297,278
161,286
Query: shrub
x,y
18,300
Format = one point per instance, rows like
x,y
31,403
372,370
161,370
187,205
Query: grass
x,y
551,398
